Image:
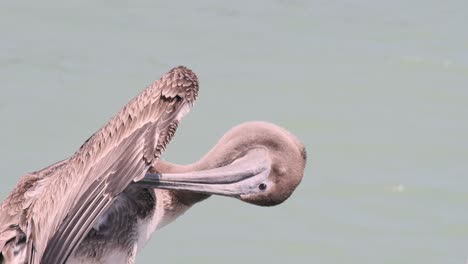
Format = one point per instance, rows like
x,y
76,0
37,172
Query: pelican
x,y
102,204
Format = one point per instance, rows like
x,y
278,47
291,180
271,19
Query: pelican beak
x,y
246,175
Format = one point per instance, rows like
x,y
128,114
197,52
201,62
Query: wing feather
x,y
122,151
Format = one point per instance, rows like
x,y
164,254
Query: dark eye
x,y
262,186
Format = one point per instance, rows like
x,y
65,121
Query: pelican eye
x,y
262,186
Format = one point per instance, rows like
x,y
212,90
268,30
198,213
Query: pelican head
x,y
272,148
257,162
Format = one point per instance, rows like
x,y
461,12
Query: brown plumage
x,y
75,192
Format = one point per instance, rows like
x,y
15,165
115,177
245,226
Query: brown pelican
x,y
102,204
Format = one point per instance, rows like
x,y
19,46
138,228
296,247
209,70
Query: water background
x,y
377,91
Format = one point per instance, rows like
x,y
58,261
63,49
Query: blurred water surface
x,y
377,90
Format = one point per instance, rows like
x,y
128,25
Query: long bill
x,y
246,175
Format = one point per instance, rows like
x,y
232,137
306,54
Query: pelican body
x,y
102,204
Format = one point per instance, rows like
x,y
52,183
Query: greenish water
x,y
377,90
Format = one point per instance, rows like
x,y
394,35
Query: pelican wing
x,y
13,211
119,153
